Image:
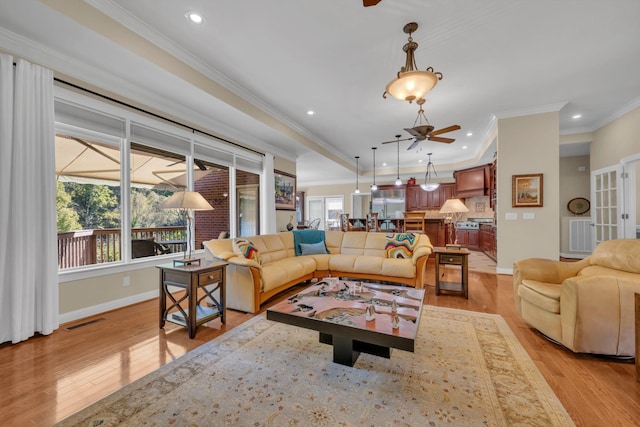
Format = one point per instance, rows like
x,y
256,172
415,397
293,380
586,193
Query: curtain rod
x,y
158,116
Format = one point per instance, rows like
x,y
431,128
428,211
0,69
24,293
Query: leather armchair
x,y
586,306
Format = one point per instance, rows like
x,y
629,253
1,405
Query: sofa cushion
x,y
306,236
247,249
313,248
543,295
400,245
277,273
398,267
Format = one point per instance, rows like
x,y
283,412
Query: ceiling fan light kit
x,y
411,84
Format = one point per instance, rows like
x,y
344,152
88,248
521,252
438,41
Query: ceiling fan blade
x,y
445,130
396,140
413,145
440,139
412,131
368,3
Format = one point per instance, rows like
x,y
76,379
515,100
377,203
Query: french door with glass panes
x,y
607,204
327,209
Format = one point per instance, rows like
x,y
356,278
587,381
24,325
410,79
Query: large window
x,y
114,168
87,201
155,175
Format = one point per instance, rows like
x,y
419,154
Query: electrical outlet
x,y
126,281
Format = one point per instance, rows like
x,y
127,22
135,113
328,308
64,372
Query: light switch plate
x,y
528,215
511,216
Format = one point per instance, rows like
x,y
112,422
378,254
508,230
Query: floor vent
x,y
80,325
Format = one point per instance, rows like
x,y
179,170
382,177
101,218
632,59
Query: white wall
x,y
528,145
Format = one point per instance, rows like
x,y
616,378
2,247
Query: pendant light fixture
x,y
412,84
429,185
398,180
374,187
357,173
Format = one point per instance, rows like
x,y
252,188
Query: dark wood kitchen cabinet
x,y
418,200
469,239
472,182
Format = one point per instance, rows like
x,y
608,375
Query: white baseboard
x,y
107,306
504,271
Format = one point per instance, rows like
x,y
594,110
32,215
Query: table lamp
x,y
453,209
187,201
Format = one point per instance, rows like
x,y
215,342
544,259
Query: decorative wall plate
x,y
578,206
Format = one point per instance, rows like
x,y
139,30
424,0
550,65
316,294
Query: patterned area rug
x,y
468,370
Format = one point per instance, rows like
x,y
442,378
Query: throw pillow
x,y
400,245
245,248
313,248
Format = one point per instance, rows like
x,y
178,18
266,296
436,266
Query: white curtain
x,y
28,231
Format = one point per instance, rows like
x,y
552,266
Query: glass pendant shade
x,y
412,85
429,185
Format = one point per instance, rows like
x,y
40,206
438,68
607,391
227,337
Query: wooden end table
x,y
451,256
192,278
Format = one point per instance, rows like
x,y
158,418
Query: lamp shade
x,y
412,85
453,206
186,200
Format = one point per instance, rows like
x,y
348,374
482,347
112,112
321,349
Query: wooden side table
x,y
449,256
192,278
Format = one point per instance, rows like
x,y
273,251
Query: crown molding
x,y
632,105
548,108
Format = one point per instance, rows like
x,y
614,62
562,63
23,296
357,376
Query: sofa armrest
x,y
242,261
546,270
423,251
543,270
598,314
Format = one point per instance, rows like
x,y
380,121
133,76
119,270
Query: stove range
x,y
467,225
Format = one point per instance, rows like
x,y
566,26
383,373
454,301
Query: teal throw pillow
x,y
313,248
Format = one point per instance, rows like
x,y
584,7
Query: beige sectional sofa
x,y
359,255
587,306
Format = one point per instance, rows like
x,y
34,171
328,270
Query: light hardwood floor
x,y
45,379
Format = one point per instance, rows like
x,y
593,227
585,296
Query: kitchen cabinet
x,y
418,199
435,229
488,240
469,239
472,182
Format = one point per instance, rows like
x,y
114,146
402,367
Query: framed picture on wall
x,y
285,191
526,191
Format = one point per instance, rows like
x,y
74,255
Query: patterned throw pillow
x,y
400,245
247,250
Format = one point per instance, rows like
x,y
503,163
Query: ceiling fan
x,y
368,3
425,131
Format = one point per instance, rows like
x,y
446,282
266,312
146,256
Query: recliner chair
x,y
586,306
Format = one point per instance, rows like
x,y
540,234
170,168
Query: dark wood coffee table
x,y
338,313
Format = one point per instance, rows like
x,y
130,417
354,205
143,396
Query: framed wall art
x,y
285,191
526,191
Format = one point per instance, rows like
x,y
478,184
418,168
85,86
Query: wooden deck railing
x,y
87,247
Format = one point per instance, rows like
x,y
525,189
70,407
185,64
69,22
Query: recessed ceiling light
x,y
420,161
464,147
576,116
469,133
384,164
311,112
194,17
